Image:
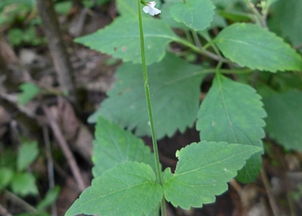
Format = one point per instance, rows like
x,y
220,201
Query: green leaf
x,y
29,91
49,198
114,146
121,39
27,153
24,184
174,86
254,47
286,20
128,189
6,176
202,172
166,14
196,14
233,112
284,118
127,7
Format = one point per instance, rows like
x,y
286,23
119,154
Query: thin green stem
x,y
210,43
201,51
196,39
188,36
159,177
259,17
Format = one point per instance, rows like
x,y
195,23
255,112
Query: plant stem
x,y
259,18
196,39
201,51
159,177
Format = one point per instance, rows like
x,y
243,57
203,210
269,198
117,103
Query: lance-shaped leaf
x,y
128,189
121,39
174,86
196,14
113,146
233,112
202,172
254,47
284,121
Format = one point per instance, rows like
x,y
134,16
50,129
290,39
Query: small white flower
x,y
151,9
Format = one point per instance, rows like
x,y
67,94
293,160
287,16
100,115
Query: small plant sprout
x,y
151,9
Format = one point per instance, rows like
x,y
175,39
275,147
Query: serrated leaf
x,y
233,112
196,14
128,189
27,153
202,172
121,39
29,91
254,47
166,14
286,19
174,86
6,176
24,184
114,146
284,118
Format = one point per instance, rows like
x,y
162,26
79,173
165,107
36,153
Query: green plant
x,y
29,91
230,119
15,176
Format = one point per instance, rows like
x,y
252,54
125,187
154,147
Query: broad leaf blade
x,y
233,112
121,39
203,171
254,47
114,146
196,14
174,86
284,121
128,189
286,19
127,8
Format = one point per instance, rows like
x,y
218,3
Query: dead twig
x,y
65,148
56,46
50,166
12,197
269,193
